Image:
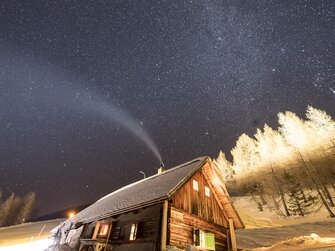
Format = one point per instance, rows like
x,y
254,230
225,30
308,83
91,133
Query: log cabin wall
x,y
181,228
192,209
197,203
147,233
148,219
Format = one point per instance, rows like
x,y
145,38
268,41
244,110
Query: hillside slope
x,y
32,234
267,231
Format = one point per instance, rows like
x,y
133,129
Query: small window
x,y
89,230
116,233
195,185
133,232
207,192
204,240
199,238
103,230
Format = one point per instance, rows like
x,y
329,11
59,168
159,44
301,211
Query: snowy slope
x,y
28,236
267,231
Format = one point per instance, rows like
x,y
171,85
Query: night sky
x,y
86,85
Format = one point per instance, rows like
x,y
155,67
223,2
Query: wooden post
x,y
228,240
164,225
108,234
232,235
96,229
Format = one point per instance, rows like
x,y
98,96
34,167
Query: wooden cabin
x,y
183,208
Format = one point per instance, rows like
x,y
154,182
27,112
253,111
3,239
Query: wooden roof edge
x,y
187,177
127,210
236,217
236,213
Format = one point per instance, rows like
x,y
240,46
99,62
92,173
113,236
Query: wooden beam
x,y
96,229
164,225
232,235
108,234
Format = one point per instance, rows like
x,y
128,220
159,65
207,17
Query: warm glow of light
x,y
103,229
38,245
70,214
195,185
133,231
207,191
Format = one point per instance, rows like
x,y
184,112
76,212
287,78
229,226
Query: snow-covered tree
x,y
245,156
296,133
246,163
304,148
268,144
225,166
323,125
299,202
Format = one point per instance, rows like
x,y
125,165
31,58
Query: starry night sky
x,y
194,75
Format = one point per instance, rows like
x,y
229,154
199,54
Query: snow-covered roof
x,y
141,193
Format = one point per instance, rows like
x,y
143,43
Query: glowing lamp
x,y
70,214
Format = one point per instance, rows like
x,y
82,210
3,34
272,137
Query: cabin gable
x,y
196,215
197,197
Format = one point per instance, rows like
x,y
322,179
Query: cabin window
x,y
207,192
103,230
199,238
116,233
195,185
133,231
89,230
204,240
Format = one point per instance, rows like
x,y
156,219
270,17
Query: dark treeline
x,y
290,169
15,209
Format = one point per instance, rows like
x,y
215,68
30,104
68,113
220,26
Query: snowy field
x,y
267,231
28,236
304,236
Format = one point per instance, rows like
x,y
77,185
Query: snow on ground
x,y
38,245
28,236
253,218
267,231
311,242
250,239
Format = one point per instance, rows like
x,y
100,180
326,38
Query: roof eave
x,y
127,210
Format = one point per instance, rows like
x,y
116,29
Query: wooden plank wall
x,y
195,202
148,232
181,226
149,222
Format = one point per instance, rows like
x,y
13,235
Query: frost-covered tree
x,y
299,202
269,142
305,148
294,131
245,156
322,124
246,164
225,166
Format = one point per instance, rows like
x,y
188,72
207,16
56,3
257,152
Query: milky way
x,y
194,74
